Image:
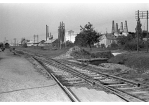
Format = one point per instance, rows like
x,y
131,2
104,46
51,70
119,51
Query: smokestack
x,y
113,27
121,28
116,28
125,27
46,32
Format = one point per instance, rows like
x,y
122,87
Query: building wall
x,y
106,41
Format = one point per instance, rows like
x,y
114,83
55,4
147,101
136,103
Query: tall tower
x,y
46,32
61,34
113,28
125,27
116,29
121,27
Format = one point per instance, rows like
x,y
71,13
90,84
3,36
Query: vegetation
x,y
132,59
69,44
1,45
87,36
24,42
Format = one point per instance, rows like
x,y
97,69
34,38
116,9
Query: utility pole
x,y
34,41
14,41
143,15
147,31
61,34
46,32
138,32
37,40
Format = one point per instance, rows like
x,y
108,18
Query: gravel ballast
x,y
20,81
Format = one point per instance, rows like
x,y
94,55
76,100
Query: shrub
x,y
132,45
138,61
24,45
69,44
78,52
103,46
114,45
119,59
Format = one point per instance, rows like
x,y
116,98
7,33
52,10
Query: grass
x,y
133,59
53,52
138,61
46,52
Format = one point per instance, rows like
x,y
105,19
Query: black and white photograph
x,y
74,51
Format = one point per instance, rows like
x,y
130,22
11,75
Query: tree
x,y
138,28
87,36
69,43
24,42
1,45
122,40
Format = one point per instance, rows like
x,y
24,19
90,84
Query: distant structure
x,y
116,33
125,29
47,32
61,34
113,28
108,38
70,36
122,31
121,27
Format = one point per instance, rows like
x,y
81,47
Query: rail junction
x,y
69,74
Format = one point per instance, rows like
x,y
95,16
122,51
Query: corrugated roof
x,y
50,41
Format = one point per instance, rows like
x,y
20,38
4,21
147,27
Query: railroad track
x,y
73,75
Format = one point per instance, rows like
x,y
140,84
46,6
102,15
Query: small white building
x,y
30,43
107,39
70,35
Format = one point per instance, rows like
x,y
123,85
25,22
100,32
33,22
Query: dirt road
x,y
20,81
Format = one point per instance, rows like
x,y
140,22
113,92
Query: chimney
x,y
121,28
113,28
116,28
125,27
46,32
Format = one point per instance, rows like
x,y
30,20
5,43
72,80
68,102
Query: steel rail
x,y
67,91
72,97
120,93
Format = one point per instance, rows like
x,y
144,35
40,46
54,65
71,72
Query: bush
x,y
24,45
132,45
78,52
119,59
114,45
69,44
103,46
138,61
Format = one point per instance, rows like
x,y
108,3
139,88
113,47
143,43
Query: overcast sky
x,y
24,20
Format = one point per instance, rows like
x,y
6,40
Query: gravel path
x,y
20,81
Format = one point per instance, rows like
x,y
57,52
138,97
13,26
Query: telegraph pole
x,y
138,32
34,41
147,31
143,15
